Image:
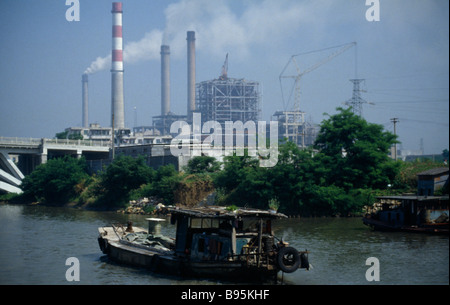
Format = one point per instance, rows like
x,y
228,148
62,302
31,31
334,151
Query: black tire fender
x,y
103,243
288,259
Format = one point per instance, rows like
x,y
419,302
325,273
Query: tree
x,y
243,182
65,135
445,154
165,182
54,181
291,177
355,152
233,172
122,176
202,164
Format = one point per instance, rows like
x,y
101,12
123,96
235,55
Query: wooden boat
x,y
210,242
419,214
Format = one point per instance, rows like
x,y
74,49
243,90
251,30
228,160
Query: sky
x,y
403,59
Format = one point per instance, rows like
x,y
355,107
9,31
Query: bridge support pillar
x,y
43,153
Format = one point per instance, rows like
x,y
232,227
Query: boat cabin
x,y
218,233
430,181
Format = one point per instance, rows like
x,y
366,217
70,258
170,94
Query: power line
x,y
413,102
410,89
426,122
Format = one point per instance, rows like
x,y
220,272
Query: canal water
x,y
36,241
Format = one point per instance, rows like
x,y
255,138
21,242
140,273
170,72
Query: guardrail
x,y
20,141
34,141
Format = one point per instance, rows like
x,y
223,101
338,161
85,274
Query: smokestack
x,y
165,79
191,73
117,105
85,99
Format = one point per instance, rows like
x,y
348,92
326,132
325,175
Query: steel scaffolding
x,y
228,99
293,127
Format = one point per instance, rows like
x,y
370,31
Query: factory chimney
x,y
165,80
85,100
191,73
117,105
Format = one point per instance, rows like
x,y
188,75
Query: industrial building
x,y
228,99
293,127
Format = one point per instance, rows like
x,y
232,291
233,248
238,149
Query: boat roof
x,y
434,171
224,212
416,198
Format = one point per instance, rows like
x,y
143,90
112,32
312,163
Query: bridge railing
x,y
102,143
21,141
34,141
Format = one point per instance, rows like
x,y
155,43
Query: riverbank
x,y
144,206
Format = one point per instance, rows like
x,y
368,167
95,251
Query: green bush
x,y
54,182
120,178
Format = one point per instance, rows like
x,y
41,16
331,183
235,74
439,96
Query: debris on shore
x,y
143,206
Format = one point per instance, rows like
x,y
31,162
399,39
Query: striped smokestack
x,y
165,80
85,99
191,73
117,105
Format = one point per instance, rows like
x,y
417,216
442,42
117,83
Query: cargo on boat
x,y
427,214
210,242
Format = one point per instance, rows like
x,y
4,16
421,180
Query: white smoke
x,y
145,49
101,63
220,30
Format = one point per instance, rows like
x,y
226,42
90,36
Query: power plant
x,y
222,99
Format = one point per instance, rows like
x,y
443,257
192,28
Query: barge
x,y
419,214
211,242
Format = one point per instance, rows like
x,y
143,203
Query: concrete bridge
x,y
20,156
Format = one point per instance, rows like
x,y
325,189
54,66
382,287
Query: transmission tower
x,y
356,101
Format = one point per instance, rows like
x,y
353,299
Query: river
x,y
36,241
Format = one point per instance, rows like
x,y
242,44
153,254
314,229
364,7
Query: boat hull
x,y
383,226
168,263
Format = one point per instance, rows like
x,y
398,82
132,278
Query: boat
x,y
418,214
211,242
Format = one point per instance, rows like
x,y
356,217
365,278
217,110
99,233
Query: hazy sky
x,y
403,57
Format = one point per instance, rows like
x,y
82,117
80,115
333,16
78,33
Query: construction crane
x,y
224,73
300,74
297,77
